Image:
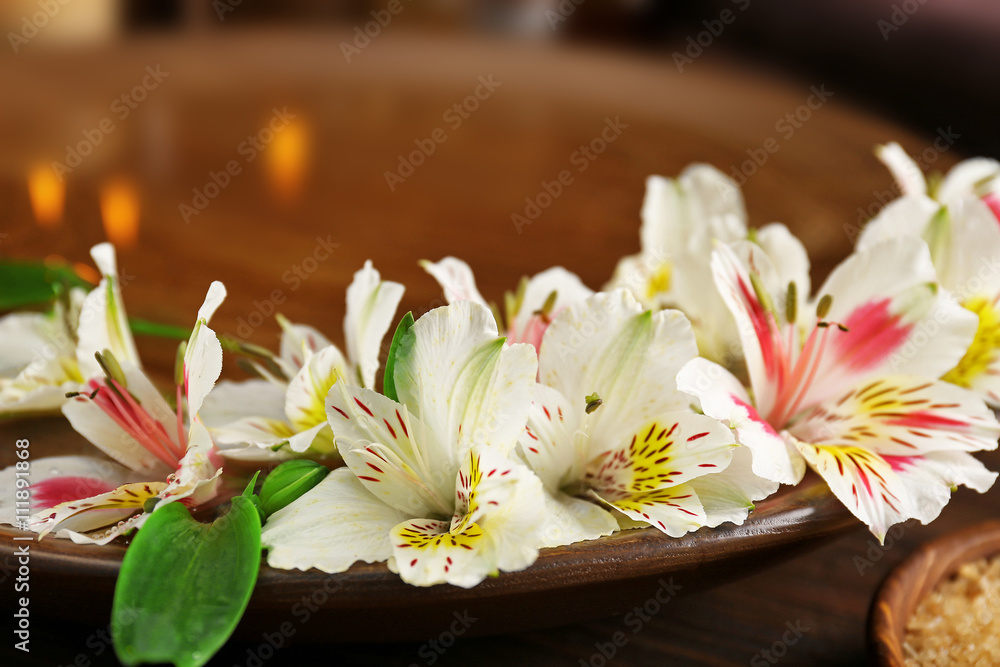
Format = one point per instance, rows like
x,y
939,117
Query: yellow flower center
x,y
659,282
985,346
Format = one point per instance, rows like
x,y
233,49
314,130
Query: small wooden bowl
x,y
901,592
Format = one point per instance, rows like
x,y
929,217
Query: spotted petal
x,y
646,478
77,518
628,356
550,444
495,526
392,452
902,416
723,397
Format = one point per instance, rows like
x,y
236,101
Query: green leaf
x,y
184,585
288,482
34,283
142,327
389,382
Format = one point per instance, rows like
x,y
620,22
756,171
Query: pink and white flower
x,y
848,383
157,459
958,219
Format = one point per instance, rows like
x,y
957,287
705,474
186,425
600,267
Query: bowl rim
x,y
918,574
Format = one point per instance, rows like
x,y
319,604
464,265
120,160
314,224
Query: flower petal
x,y
459,378
391,451
568,288
231,401
675,511
628,356
203,356
371,310
58,479
334,525
729,495
902,416
100,511
898,320
455,278
669,450
547,442
93,423
304,399
908,175
298,341
495,526
567,520
723,397
103,323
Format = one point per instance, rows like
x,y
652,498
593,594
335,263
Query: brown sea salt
x,y
958,623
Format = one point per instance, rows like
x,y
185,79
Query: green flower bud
x,y
288,482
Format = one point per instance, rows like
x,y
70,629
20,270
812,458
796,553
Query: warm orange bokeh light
x,y
120,212
287,159
48,196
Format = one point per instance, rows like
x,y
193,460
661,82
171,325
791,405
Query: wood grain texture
x,y
822,181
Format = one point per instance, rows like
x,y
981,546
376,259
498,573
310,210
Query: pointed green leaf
x,y
33,283
184,585
288,482
388,382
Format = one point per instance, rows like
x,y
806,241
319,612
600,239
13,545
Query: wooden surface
x,y
361,116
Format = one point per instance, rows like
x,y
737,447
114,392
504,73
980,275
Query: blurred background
x,y
276,146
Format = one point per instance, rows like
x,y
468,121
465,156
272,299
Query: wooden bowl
x,y
634,568
902,591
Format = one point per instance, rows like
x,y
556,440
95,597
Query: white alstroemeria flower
x,y
278,419
123,415
681,220
528,311
428,483
608,424
958,221
847,384
44,357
